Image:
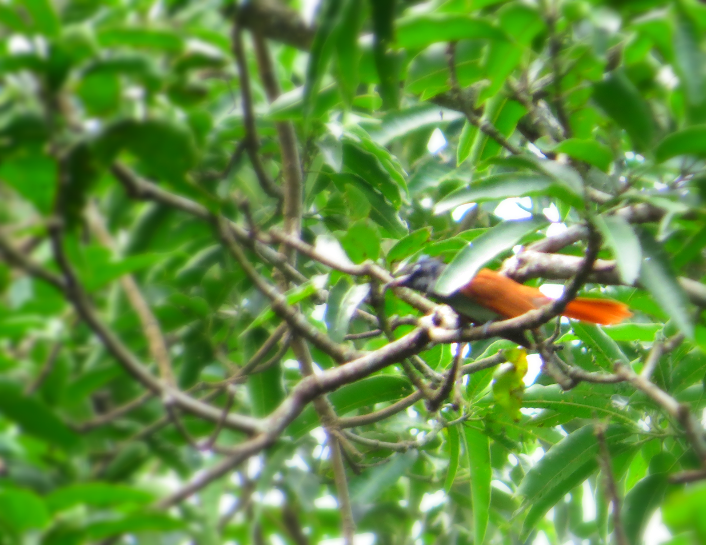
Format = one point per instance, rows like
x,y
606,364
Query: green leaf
x,y
143,38
100,270
346,48
622,101
691,369
564,176
44,16
640,503
489,245
478,450
100,92
166,150
428,73
10,19
389,162
97,494
495,188
689,141
691,249
565,458
33,175
521,23
591,152
454,446
195,268
401,123
690,64
503,114
421,30
34,418
604,350
22,510
408,245
683,510
293,296
623,333
558,463
624,244
340,310
381,212
369,168
592,401
558,490
321,49
365,392
361,241
266,391
368,486
657,276
134,523
386,62
465,142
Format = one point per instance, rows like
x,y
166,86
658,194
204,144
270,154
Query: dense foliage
x,y
202,202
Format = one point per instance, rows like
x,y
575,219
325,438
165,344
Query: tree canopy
x,y
203,203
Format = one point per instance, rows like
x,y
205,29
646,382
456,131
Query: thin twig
x,y
610,486
251,141
344,499
116,413
46,369
554,50
297,322
150,325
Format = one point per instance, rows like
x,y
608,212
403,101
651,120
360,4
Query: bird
x,y
490,296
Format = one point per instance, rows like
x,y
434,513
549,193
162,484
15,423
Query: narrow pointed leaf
x,y
478,451
659,279
490,244
454,444
623,242
690,141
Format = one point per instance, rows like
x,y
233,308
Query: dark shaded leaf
x,y
690,141
623,102
33,175
386,62
365,392
35,418
640,503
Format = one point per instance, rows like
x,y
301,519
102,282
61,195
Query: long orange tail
x,y
509,298
597,311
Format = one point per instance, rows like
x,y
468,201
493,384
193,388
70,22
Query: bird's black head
x,y
421,276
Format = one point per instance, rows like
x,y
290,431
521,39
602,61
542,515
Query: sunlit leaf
x,y
657,276
422,30
621,239
469,261
478,451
